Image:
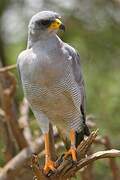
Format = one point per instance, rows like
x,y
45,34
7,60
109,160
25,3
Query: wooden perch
x,y
66,168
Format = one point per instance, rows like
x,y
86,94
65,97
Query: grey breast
x,y
50,87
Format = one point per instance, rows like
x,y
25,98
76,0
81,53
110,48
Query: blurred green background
x,y
93,28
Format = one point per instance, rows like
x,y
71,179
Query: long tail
x,y
80,135
86,131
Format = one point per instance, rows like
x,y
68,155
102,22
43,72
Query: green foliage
x,y
3,5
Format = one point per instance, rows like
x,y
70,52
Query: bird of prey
x,y
52,81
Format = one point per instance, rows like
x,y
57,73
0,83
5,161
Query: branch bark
x,y
22,160
9,149
24,121
15,165
112,162
67,169
9,109
7,68
87,172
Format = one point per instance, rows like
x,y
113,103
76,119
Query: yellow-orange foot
x,y
72,151
49,165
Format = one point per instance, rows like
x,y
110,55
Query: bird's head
x,y
45,22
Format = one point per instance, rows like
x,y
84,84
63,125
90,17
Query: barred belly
x,y
59,102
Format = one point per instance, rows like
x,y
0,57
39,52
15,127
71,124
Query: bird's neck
x,y
46,38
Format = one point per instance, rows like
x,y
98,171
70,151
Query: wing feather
x,y
77,72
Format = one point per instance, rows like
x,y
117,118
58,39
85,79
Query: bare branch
x,y
17,163
21,160
99,155
87,172
66,164
24,121
112,162
6,133
67,169
7,68
36,169
9,146
9,109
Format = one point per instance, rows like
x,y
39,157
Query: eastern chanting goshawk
x,y
52,81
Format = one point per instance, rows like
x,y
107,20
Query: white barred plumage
x,y
52,81
51,98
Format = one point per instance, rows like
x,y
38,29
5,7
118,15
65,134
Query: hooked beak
x,y
56,25
62,27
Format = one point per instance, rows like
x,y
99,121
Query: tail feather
x,y
79,138
86,130
80,135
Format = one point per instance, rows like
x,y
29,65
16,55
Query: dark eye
x,y
45,22
38,22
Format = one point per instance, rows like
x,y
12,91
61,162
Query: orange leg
x,y
72,150
49,164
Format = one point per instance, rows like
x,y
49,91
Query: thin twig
x,y
7,68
